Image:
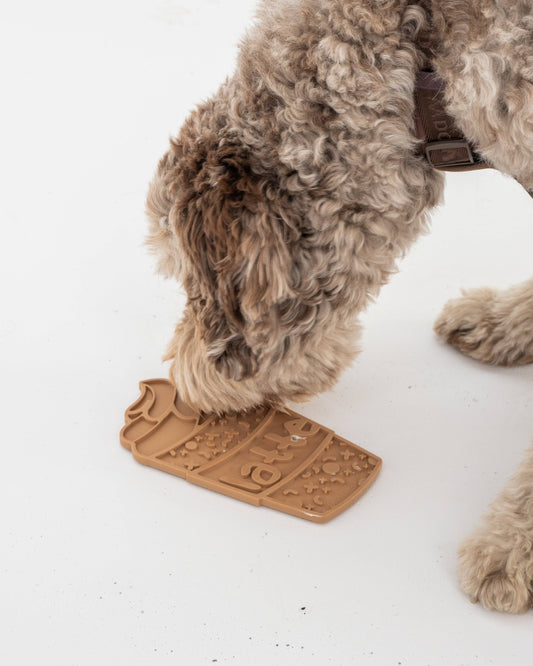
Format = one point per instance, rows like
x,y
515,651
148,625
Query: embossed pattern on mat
x,y
265,457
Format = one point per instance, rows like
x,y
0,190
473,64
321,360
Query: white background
x,y
103,561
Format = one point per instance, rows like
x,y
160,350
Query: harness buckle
x,y
450,153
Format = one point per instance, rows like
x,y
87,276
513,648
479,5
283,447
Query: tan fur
x,y
286,199
491,326
496,562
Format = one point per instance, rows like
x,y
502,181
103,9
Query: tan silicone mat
x,y
265,457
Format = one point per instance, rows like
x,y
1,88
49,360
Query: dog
x,y
287,198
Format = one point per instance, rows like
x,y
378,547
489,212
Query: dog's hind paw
x,y
489,326
497,573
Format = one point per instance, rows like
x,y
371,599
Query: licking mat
x,y
265,457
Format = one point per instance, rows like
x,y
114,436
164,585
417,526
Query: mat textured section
x,y
265,457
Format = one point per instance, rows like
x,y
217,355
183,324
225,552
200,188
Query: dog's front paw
x,y
497,571
485,325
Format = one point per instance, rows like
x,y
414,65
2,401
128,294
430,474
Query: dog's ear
x,y
234,234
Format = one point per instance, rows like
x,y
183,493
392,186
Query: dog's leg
x,y
496,561
491,326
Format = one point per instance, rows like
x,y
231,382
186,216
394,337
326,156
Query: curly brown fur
x,y
286,199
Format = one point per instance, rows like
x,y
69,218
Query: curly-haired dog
x,y
286,200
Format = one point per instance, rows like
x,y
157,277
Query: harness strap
x,y
442,143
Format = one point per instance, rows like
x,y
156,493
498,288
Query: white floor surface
x,y
106,562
